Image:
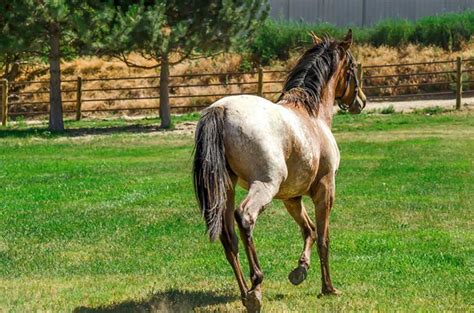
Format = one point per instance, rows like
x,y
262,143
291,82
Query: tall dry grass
x,y
93,68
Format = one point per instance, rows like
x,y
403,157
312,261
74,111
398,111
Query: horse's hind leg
x,y
298,212
260,194
230,241
323,198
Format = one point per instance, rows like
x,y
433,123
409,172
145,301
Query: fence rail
x,y
16,101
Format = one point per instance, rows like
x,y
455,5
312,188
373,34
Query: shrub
x,y
388,110
392,33
448,31
275,39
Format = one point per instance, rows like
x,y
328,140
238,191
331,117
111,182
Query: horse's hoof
x,y
332,292
298,275
253,301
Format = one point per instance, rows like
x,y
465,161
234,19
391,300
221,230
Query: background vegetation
x,y
450,31
230,62
166,32
276,45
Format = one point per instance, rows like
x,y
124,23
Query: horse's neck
x,y
326,106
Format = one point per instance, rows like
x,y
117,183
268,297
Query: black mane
x,y
307,79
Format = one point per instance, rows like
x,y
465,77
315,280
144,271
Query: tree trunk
x,y
56,106
164,93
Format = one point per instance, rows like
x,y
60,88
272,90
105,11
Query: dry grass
x,y
92,68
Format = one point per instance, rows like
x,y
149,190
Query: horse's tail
x,y
211,178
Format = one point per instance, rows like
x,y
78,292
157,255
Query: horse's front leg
x,y
259,195
308,230
323,197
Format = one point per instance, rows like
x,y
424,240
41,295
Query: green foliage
x,y
275,39
188,29
448,31
430,110
392,33
49,29
388,110
169,32
245,65
24,28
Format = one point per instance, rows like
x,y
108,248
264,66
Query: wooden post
x,y
260,82
360,75
4,102
458,83
79,99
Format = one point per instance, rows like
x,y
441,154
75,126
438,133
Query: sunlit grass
x,y
111,221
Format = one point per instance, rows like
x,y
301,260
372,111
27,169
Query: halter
x,y
350,74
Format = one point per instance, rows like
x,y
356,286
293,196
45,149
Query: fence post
x,y
260,82
360,75
79,98
458,83
4,102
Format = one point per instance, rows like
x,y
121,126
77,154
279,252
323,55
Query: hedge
x,y
275,39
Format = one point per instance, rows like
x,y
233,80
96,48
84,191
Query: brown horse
x,y
284,151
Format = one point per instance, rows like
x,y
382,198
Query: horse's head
x,y
349,94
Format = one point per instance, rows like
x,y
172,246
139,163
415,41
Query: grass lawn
x,y
97,221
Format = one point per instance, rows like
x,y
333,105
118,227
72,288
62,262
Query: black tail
x,y
211,178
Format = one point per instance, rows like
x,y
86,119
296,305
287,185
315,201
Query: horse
x,y
283,151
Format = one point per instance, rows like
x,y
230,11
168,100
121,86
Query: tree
x,y
45,29
169,32
9,66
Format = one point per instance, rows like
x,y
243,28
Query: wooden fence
x,y
18,98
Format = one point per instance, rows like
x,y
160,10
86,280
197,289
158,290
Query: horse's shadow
x,y
166,301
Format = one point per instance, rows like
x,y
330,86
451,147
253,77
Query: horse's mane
x,y
307,79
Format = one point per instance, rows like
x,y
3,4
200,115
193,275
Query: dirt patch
x,y
410,106
185,128
167,301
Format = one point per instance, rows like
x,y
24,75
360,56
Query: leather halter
x,y
350,74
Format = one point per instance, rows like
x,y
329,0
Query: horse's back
x,y
253,138
266,142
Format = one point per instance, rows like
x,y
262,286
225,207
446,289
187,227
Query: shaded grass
x,y
93,126
110,222
342,122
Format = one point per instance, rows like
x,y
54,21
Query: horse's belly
x,y
298,182
287,190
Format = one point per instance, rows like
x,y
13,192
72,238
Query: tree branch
x,y
127,62
196,57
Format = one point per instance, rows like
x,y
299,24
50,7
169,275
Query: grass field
x,y
102,220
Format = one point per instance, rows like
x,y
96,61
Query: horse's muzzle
x,y
357,106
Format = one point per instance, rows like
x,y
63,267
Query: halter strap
x,y
350,75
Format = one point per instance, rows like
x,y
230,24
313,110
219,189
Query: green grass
x,y
110,221
20,128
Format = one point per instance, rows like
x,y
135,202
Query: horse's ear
x,y
315,38
347,42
